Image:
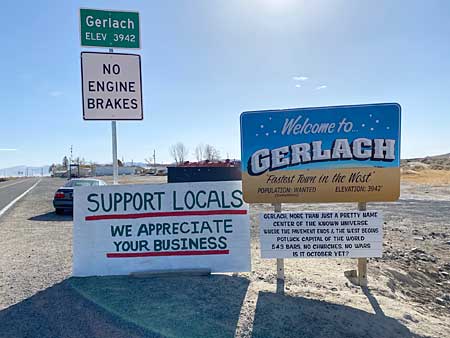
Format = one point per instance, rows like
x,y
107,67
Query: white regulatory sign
x,y
329,234
112,86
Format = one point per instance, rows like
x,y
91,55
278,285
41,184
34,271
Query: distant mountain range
x,y
23,170
438,157
143,164
442,157
139,164
436,162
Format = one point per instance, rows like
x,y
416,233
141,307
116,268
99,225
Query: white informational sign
x,y
112,86
330,234
121,229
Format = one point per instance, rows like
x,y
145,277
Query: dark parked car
x,y
63,200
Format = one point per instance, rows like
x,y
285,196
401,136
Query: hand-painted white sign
x,y
131,228
330,234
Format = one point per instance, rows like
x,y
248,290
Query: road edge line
x,y
14,201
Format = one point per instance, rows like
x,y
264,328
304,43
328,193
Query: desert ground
x,y
408,294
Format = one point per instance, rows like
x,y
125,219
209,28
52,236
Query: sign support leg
x,y
114,146
114,152
362,262
280,261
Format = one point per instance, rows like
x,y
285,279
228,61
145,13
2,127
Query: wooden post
x,y
280,261
362,262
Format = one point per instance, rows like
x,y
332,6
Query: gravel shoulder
x,y
408,294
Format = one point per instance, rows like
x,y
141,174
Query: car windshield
x,y
81,183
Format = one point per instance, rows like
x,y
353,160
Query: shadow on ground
x,y
114,307
52,217
200,307
279,316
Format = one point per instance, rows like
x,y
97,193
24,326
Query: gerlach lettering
x,y
109,23
360,149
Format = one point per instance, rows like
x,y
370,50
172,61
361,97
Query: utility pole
x,y
154,157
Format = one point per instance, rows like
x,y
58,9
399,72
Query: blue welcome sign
x,y
326,154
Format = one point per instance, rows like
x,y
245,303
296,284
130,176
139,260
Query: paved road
x,y
10,190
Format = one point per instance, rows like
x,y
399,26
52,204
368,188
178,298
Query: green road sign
x,y
110,29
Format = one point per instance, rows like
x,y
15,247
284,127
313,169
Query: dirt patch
x,y
426,176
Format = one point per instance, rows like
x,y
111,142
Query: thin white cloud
x,y
300,78
7,149
297,86
55,93
321,87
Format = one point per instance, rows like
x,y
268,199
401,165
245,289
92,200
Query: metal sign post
x,y
114,153
362,262
111,82
280,261
114,146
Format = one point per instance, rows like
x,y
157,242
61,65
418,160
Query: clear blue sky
x,y
204,62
